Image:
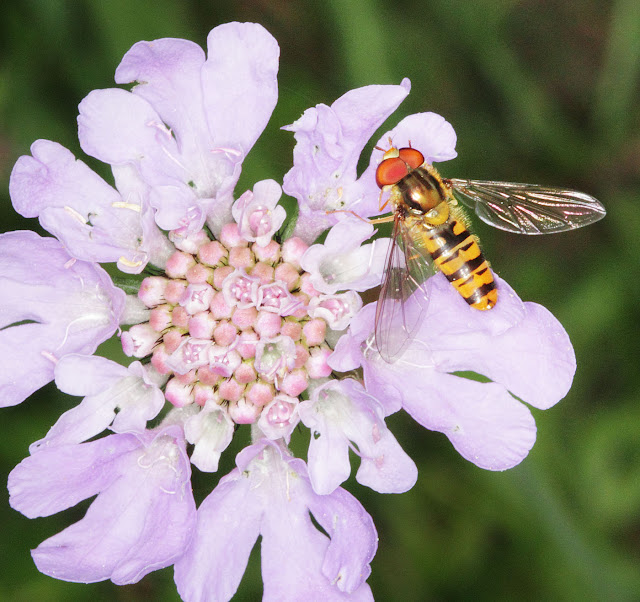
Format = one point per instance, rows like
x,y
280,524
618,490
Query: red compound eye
x,y
390,171
412,157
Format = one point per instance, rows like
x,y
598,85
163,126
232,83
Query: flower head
x,y
232,327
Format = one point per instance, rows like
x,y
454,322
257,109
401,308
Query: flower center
x,y
230,324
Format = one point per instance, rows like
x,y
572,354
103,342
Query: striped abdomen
x,y
458,256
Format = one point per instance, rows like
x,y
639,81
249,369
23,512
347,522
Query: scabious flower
x,y
233,327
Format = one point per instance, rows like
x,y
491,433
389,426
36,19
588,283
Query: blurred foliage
x,y
537,90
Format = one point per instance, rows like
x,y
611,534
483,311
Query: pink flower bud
x,y
219,307
245,373
160,317
230,236
178,264
199,274
288,273
269,254
247,344
263,271
302,355
180,317
225,333
203,393
208,376
212,253
260,393
174,291
291,329
179,393
243,411
241,258
159,359
220,274
314,331
202,325
139,340
151,291
267,324
172,340
316,365
293,249
231,390
295,382
244,318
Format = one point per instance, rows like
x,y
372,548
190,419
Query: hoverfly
x,y
430,231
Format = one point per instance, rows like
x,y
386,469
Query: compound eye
x,y
391,171
412,157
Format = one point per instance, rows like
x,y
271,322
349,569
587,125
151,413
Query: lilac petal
x,y
239,81
519,345
70,306
211,431
485,424
168,72
141,523
87,374
112,392
73,203
134,189
298,560
354,540
341,411
329,141
228,524
88,419
58,478
119,127
342,262
430,133
328,458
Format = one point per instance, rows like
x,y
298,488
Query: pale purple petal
x,y
339,412
329,141
82,375
328,455
58,478
239,81
519,345
126,397
138,524
354,540
70,307
119,127
167,73
342,262
429,133
77,206
486,425
228,525
211,431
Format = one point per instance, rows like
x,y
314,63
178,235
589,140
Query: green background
x,y
543,91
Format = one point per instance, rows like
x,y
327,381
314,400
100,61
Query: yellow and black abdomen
x,y
458,256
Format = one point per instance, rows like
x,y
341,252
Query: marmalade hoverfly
x,y
430,231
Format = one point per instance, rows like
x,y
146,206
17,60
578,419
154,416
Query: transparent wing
x,y
403,296
528,208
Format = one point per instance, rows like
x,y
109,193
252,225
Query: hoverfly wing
x,y
528,208
403,297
